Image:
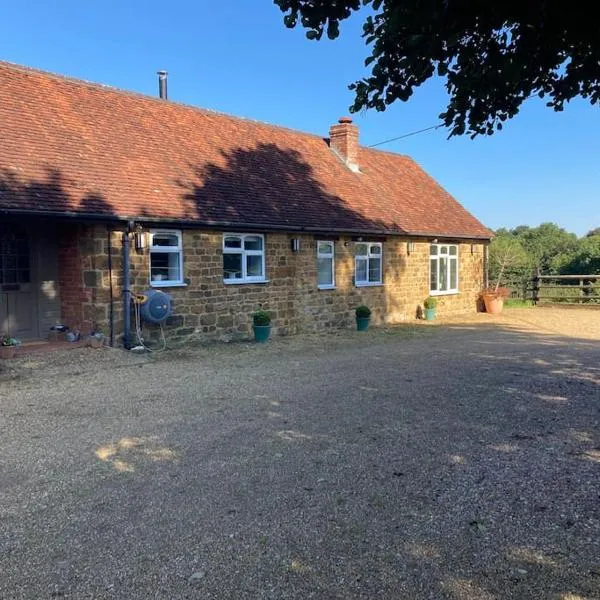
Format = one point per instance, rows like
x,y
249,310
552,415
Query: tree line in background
x,y
516,255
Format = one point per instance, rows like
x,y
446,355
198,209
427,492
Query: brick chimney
x,y
343,140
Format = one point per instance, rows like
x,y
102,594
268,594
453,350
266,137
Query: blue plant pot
x,y
362,323
261,333
430,314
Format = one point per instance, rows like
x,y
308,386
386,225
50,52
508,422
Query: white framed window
x,y
166,258
367,263
443,269
325,265
243,257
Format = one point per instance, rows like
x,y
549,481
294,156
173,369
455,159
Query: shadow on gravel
x,y
457,462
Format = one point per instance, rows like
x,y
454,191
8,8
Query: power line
x,y
400,137
406,135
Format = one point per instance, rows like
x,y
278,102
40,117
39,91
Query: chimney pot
x,y
162,84
343,140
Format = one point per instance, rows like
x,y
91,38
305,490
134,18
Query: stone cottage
x,y
226,214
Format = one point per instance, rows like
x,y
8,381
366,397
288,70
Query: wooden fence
x,y
564,289
573,289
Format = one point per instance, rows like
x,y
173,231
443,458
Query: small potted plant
x,y
363,316
96,338
261,322
8,346
430,305
493,298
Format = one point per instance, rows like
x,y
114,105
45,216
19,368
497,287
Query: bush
x,y
261,318
430,302
363,312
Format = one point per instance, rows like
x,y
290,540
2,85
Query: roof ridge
x,y
117,90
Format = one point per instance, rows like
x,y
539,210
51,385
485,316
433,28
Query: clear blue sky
x,y
237,57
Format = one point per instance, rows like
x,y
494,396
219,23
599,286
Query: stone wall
x,y
206,308
70,277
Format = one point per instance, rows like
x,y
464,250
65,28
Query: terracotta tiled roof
x,y
68,146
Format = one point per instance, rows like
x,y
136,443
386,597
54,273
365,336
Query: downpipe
x,y
126,293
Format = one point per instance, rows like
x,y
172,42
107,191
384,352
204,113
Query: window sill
x,y
361,285
167,284
448,293
244,281
326,287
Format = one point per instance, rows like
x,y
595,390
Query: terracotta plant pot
x,y
8,351
493,304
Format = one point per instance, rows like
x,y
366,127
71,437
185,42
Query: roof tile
x,y
71,146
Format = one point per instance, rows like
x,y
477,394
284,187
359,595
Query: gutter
x,y
195,224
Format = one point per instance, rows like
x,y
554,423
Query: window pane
x,y
361,249
443,275
232,266
453,274
374,249
453,250
254,266
253,243
165,239
444,250
325,248
433,250
361,271
375,270
232,242
324,271
165,266
433,278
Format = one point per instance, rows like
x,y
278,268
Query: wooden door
x,y
18,298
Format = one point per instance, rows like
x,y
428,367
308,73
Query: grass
x,y
518,303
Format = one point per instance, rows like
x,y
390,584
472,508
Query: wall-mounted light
x,y
295,244
434,241
141,239
410,247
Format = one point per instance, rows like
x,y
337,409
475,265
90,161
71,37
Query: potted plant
x,y
96,338
430,305
493,298
505,252
363,316
261,322
8,346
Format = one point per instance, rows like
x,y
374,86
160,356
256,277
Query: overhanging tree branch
x,y
492,55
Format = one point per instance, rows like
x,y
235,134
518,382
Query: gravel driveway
x,y
460,461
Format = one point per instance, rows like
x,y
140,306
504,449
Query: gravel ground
x,y
459,461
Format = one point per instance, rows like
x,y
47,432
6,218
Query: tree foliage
x,y
492,55
549,249
586,259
